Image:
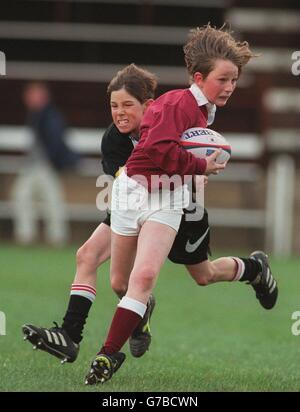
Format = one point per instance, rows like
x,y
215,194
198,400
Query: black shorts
x,y
191,245
107,219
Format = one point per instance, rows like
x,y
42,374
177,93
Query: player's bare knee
x,y
202,281
87,256
145,278
83,255
119,287
206,278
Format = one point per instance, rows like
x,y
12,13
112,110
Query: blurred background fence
x,y
77,46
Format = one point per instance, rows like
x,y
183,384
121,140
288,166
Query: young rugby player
x,y
214,60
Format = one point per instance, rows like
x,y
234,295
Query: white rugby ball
x,y
203,142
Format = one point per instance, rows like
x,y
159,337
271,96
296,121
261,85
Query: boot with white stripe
x,y
55,341
264,284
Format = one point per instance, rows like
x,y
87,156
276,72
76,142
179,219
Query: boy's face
x,y
126,111
220,83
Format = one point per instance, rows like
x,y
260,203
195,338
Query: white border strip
x,y
263,20
82,32
187,3
170,75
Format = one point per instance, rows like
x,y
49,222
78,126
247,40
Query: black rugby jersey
x,y
116,147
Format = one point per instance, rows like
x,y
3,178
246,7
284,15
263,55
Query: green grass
x,y
215,338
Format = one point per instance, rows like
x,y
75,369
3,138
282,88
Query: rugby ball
x,y
203,142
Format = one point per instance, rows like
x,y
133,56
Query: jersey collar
x,y
202,101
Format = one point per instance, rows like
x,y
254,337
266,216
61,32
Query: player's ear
x,y
198,78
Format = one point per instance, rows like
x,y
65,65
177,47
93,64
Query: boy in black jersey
x,y
117,145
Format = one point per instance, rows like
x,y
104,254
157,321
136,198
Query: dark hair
x,y
206,44
138,82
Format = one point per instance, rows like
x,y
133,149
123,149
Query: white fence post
x,y
280,205
2,64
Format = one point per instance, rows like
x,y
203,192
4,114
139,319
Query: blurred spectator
x,y
39,180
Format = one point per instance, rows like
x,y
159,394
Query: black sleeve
x,y
116,148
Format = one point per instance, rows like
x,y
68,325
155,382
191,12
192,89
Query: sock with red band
x,y
81,299
247,269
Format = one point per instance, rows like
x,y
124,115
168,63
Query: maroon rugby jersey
x,y
159,151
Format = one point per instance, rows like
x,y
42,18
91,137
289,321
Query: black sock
x,y
252,269
75,316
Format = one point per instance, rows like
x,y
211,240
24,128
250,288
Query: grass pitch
x,y
214,338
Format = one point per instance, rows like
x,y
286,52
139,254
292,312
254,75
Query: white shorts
x,y
132,205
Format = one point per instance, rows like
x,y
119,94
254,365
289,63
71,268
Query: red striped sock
x,y
86,291
240,268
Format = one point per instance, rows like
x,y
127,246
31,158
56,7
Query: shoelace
x,y
56,327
